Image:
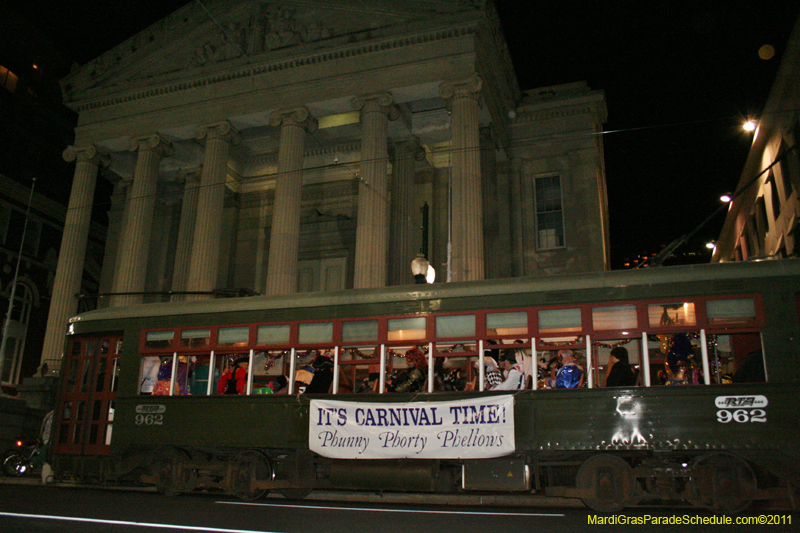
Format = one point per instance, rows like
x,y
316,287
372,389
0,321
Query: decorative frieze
x,y
249,70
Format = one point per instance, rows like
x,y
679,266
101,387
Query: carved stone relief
x,y
268,27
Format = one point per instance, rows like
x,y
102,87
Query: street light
x,y
750,125
422,269
727,197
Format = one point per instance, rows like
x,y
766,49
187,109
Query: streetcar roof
x,y
567,282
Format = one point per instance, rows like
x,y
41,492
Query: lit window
x,y
671,314
560,320
507,323
616,317
403,329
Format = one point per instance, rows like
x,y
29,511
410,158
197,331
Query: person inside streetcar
x,y
234,379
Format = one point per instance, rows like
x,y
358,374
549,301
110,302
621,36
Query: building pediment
x,y
207,39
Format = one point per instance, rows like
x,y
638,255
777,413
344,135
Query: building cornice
x,y
267,67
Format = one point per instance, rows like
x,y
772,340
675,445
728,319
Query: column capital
x,y
189,175
466,88
409,145
88,154
294,116
380,102
220,130
152,143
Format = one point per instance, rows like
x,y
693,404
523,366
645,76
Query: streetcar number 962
x,y
742,416
149,420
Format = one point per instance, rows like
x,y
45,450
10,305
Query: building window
x,y
549,213
774,196
788,167
762,223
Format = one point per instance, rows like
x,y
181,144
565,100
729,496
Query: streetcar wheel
x,y
722,483
249,470
15,465
609,483
171,473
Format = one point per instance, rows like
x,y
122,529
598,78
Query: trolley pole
x,y
7,323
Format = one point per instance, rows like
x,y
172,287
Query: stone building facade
x,y
762,219
31,276
282,147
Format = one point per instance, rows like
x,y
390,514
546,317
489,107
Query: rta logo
x,y
744,401
736,402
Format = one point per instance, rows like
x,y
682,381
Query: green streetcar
x,y
714,426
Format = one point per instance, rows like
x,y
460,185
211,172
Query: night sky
x,y
679,78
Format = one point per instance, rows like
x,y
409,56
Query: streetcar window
x,y
72,373
676,359
731,311
560,320
239,336
401,329
315,333
277,334
195,338
199,377
621,377
267,368
736,358
507,323
358,378
671,314
361,330
455,326
158,340
615,317
148,374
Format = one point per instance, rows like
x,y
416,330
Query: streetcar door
x,y
90,375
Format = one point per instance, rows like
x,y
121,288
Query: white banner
x,y
477,428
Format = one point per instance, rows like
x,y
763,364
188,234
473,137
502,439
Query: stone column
x,y
204,261
373,202
285,234
116,221
492,212
467,232
134,241
183,250
403,218
72,256
517,222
